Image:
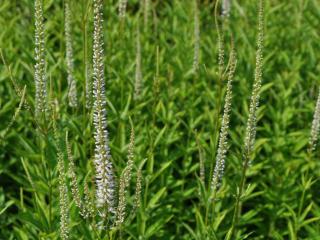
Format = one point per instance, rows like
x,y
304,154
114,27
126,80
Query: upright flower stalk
x,y
137,197
88,85
315,126
122,8
40,64
63,192
201,159
220,76
146,6
74,180
63,189
88,202
250,134
220,35
105,184
226,7
88,71
196,55
72,88
17,111
223,138
138,73
125,182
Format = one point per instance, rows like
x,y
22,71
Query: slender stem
x,y
213,205
50,199
219,91
237,210
85,55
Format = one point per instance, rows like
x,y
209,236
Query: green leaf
x,y
153,201
160,171
157,226
7,205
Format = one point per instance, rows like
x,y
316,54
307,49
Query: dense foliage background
x,y
176,107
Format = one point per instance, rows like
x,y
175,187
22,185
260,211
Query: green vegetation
x,y
211,120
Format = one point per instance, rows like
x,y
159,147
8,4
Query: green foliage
x,y
176,119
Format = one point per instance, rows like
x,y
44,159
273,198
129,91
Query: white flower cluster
x,y
122,8
146,8
196,54
72,93
137,198
226,7
63,193
40,64
254,101
125,182
105,182
138,73
315,126
223,138
63,189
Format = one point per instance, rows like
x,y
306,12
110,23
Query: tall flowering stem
x,y
223,138
74,180
137,197
72,93
221,77
17,111
87,70
220,35
201,159
88,202
226,7
40,64
122,8
63,189
250,134
196,54
125,182
63,192
138,73
146,8
105,184
88,85
315,127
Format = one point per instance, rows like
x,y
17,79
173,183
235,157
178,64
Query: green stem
x,y
220,85
237,209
